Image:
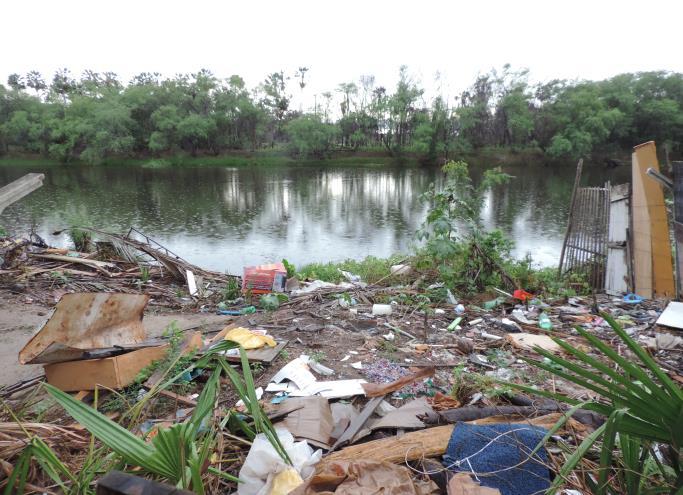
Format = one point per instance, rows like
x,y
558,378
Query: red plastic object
x,y
522,295
263,279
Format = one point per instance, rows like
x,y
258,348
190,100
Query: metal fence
x,y
585,244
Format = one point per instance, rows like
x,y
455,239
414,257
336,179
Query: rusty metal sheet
x,y
85,322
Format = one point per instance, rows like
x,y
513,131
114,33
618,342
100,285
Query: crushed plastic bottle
x,y
459,309
544,322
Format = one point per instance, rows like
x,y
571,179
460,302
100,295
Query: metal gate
x,y
585,244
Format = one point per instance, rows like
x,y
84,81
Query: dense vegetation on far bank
x,y
97,117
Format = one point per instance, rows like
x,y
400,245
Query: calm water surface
x,y
226,218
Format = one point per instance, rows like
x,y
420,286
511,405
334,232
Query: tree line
x,y
97,116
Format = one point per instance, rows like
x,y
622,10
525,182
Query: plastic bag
x,y
263,464
269,302
248,339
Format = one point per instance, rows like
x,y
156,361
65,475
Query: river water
x,y
225,218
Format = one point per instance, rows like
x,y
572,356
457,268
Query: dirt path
x,y
19,320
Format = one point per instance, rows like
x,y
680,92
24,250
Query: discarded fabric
x,y
499,455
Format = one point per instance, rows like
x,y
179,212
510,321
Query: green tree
x,y
309,136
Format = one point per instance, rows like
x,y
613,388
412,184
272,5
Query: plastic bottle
x,y
544,322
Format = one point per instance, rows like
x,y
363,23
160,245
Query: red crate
x,y
263,279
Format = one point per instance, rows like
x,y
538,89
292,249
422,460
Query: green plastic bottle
x,y
544,322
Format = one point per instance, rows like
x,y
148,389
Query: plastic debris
x,y
381,309
249,339
544,322
263,463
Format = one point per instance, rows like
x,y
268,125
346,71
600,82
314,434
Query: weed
x,y
284,354
625,391
387,348
370,269
466,383
318,356
144,274
291,269
231,291
82,239
499,357
60,277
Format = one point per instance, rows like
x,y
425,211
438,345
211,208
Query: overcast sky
x,y
341,40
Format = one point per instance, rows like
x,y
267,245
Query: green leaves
x,y
247,392
173,452
641,402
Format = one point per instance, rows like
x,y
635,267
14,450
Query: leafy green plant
x,y
247,391
231,291
643,406
291,269
81,238
177,453
144,274
455,244
318,356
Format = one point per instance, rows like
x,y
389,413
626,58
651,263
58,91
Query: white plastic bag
x,y
263,463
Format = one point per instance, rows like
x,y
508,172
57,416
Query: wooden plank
x,y
651,245
430,442
572,204
263,355
14,191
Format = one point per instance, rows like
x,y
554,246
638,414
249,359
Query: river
x,y
225,218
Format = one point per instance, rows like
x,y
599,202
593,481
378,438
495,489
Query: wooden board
x,y
653,265
616,280
263,355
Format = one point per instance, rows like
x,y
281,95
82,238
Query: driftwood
x,y
472,413
100,266
380,390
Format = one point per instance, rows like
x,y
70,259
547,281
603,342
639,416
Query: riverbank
x,y
466,362
372,157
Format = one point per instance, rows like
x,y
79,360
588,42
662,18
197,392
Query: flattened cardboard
x,y
672,316
313,422
112,372
84,322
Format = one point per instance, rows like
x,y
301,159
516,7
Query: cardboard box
x,y
113,372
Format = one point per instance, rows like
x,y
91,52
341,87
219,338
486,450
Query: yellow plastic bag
x,y
285,482
248,339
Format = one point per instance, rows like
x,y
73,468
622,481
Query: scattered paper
x,y
333,389
528,341
295,371
672,316
240,403
389,336
191,282
358,365
345,358
304,383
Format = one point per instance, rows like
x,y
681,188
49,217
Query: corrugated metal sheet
x,y
618,257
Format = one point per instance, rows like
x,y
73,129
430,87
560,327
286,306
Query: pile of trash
x,y
131,263
332,388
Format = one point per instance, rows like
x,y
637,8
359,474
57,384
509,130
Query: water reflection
x,y
225,218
